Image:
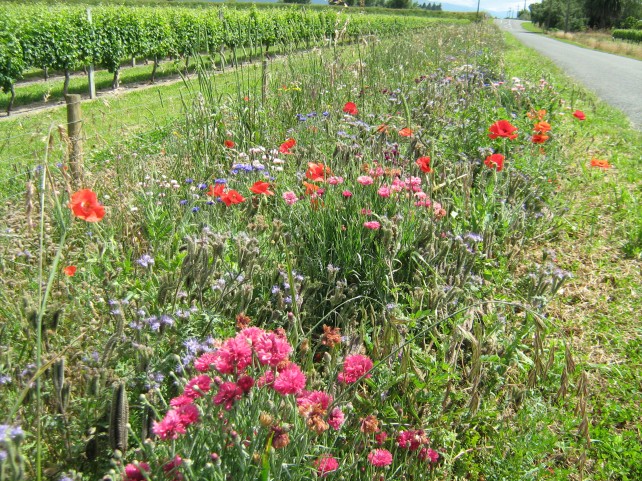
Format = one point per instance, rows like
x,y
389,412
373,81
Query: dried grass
x,y
602,41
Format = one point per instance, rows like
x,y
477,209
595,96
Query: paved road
x,y
616,80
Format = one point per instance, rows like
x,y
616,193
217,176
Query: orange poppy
x,y
602,164
317,172
405,132
539,115
310,189
539,138
382,129
84,205
542,127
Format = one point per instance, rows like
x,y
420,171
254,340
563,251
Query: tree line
x,y
575,15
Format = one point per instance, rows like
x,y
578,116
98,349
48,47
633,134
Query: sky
x,y
500,7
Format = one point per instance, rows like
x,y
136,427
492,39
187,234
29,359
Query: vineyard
x,y
65,38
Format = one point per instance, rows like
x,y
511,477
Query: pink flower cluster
x,y
354,368
416,440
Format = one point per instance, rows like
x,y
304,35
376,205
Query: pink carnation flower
x,y
384,191
334,180
234,355
336,419
355,367
252,334
290,381
271,349
372,224
427,454
346,194
170,427
325,464
228,394
365,180
181,400
188,414
380,457
245,383
134,472
198,386
290,198
205,361
412,440
266,379
308,398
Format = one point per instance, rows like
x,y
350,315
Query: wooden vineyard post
x,y
74,127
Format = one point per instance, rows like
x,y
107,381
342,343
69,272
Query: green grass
x,y
599,241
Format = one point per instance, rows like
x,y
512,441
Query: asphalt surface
x,y
616,80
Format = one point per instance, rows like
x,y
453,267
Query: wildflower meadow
x,y
341,274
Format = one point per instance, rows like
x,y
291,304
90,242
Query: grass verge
x,y
600,243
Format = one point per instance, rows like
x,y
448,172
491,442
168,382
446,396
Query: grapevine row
x,y
62,38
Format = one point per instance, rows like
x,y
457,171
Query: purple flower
x,y
145,260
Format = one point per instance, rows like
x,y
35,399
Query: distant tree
x,y
603,13
300,2
398,3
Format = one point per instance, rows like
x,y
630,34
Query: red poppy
x,y
405,132
261,187
84,204
502,128
350,108
69,271
542,127
579,115
317,172
495,161
216,191
539,138
229,144
232,197
285,147
602,164
424,164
